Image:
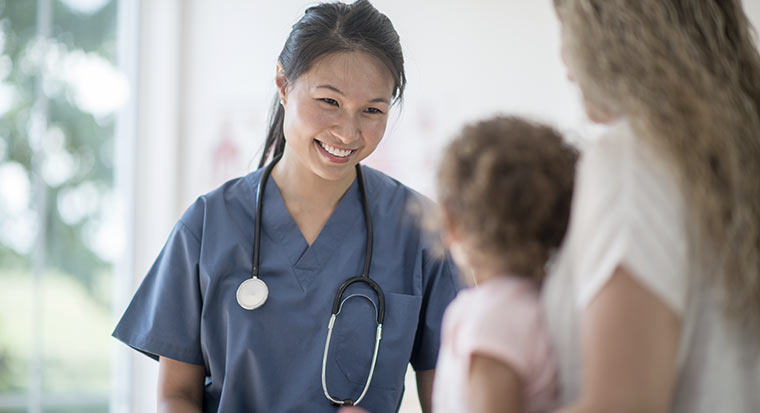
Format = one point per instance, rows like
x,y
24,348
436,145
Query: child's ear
x,y
450,228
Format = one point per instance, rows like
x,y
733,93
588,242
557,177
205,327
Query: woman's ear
x,y
282,83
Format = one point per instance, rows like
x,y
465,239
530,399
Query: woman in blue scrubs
x,y
337,76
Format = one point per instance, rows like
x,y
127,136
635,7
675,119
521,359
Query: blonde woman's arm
x,y
629,346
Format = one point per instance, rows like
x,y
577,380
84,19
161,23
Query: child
x,y
504,187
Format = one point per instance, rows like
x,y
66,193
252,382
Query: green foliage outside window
x,y
73,164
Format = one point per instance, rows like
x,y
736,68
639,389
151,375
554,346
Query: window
x,y
59,232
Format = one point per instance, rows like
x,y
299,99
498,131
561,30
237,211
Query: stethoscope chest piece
x,y
252,293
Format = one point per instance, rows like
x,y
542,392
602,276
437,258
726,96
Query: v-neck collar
x,y
306,261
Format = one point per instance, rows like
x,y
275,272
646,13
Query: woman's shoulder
x,y
390,194
628,210
610,150
403,213
620,172
620,152
231,199
382,182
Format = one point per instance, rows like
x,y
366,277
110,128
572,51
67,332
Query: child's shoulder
x,y
505,302
503,319
505,290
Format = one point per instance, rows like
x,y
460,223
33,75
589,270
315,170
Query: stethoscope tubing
x,y
378,336
257,221
338,300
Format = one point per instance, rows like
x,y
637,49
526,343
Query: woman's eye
x,y
329,101
373,110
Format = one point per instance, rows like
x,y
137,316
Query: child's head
x,y
505,186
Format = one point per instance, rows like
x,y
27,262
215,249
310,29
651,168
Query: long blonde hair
x,y
686,74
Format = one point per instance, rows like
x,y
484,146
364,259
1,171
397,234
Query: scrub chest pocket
x,y
354,339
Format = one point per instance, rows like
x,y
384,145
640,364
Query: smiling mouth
x,y
335,151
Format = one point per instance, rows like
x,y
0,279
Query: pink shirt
x,y
502,319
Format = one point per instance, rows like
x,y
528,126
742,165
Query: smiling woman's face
x,y
336,113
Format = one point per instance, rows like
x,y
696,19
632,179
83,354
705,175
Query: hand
x,y
352,409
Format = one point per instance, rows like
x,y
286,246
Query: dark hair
x,y
507,183
331,28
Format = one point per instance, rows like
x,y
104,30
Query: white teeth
x,y
335,151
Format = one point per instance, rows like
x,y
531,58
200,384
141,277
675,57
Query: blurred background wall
x,y
117,114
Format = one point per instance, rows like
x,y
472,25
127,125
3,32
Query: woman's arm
x,y
629,345
493,386
180,386
425,389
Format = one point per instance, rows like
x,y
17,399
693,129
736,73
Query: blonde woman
x,y
654,303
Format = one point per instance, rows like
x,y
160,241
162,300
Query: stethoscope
x,y
253,292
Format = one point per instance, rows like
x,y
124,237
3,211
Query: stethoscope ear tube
x,y
257,222
251,298
349,402
371,283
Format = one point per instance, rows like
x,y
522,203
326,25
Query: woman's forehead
x,y
352,73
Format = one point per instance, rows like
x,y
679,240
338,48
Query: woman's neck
x,y
298,184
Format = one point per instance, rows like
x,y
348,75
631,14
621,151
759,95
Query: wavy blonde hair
x,y
686,74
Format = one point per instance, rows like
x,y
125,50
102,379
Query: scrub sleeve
x,y
163,319
439,290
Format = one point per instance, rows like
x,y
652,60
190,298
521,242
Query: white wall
x,y
464,60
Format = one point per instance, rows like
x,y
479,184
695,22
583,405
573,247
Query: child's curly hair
x,y
507,184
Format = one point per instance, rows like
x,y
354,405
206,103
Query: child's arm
x,y
494,386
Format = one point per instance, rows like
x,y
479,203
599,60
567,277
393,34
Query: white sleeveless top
x,y
627,209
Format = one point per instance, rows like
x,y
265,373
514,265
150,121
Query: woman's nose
x,y
347,129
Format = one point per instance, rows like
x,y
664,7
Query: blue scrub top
x,y
270,359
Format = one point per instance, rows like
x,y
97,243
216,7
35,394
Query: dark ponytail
x,y
276,135
331,28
